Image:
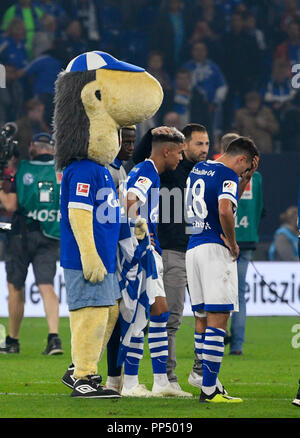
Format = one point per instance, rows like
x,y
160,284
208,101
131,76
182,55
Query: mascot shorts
x,y
39,250
82,293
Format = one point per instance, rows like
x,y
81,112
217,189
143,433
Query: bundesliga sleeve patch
x,y
143,183
230,187
83,189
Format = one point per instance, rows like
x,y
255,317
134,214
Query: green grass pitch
x,y
266,377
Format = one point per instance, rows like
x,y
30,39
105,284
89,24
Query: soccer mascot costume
x,y
95,96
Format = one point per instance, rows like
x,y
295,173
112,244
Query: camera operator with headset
x,y
33,238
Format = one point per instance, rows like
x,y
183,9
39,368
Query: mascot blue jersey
x,y
143,180
208,182
89,186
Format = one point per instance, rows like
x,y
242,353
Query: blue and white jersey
x,y
143,180
208,182
89,186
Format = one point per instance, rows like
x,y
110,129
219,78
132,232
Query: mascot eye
x,y
98,94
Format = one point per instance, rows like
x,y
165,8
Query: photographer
x,y
34,238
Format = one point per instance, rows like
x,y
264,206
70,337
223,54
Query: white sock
x,y
208,390
130,381
161,379
113,380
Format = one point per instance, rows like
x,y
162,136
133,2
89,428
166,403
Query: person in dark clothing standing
x,y
241,65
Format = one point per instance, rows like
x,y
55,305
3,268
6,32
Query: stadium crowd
x,y
225,64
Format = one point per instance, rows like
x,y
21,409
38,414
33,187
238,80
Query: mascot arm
x,y
140,223
82,226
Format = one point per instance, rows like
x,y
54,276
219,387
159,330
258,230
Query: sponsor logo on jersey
x,y
83,189
28,179
143,183
203,172
230,187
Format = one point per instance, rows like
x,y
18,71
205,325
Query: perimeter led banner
x,y
282,277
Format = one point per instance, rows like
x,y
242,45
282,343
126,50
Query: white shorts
x,y
212,279
159,284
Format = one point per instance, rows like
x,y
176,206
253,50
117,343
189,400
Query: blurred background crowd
x,y
226,64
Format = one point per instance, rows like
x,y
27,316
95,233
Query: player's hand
x,y
233,248
248,175
152,239
140,228
93,268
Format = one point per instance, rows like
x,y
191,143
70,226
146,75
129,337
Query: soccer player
x,y
211,259
142,201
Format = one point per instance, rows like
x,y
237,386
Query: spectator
x,y
290,132
44,38
207,78
203,33
30,14
171,31
213,16
53,8
27,241
110,25
290,13
227,8
258,122
30,124
87,12
190,104
12,45
279,91
290,49
240,65
73,39
155,66
171,119
44,71
284,247
251,28
11,97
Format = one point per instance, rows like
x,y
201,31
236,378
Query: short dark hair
x,y
242,145
192,127
164,134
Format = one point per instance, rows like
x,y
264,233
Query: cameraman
x,y
34,238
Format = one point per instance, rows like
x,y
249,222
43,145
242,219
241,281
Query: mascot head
x,y
94,97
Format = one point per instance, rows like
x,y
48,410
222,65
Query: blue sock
x,y
212,355
158,342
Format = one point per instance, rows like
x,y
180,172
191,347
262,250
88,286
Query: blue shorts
x,y
83,293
